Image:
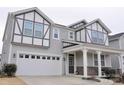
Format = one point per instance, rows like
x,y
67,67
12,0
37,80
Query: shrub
x,y
109,72
10,69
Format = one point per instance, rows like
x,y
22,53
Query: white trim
x,y
99,63
85,62
93,47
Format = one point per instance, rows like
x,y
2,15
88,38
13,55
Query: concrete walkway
x,y
59,80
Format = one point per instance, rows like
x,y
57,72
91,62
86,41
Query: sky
x,y
113,17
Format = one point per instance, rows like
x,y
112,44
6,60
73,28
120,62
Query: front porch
x,y
88,60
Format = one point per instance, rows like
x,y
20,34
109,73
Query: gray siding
x,y
79,58
107,61
7,38
122,42
114,43
115,62
55,48
90,59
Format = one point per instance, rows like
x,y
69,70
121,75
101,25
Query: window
x,y
71,35
56,34
43,57
102,60
53,58
20,55
95,60
94,36
48,58
38,30
97,37
26,56
38,57
28,28
57,58
33,56
101,38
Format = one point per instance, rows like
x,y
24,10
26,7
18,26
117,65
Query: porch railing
x,y
68,44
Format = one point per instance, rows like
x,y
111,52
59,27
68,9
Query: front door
x,y
71,63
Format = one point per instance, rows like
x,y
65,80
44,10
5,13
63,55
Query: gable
x,y
96,26
31,28
30,15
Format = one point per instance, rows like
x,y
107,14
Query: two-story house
x,y
38,46
117,41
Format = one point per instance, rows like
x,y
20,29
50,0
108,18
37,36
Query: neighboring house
x,y
117,41
38,46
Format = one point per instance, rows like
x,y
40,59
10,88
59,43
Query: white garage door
x,y
30,64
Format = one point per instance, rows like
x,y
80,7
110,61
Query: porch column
x,y
99,63
85,62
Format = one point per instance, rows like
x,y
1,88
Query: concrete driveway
x,y
57,80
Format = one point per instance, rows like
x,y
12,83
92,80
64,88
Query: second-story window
x,y
38,30
56,34
97,37
28,28
71,35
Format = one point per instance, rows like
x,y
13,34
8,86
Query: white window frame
x,y
56,30
69,34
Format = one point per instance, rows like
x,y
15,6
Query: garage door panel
x,y
38,67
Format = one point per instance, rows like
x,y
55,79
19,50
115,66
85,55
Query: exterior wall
x,y
79,58
115,62
55,47
65,34
90,60
122,42
7,39
114,43
108,61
